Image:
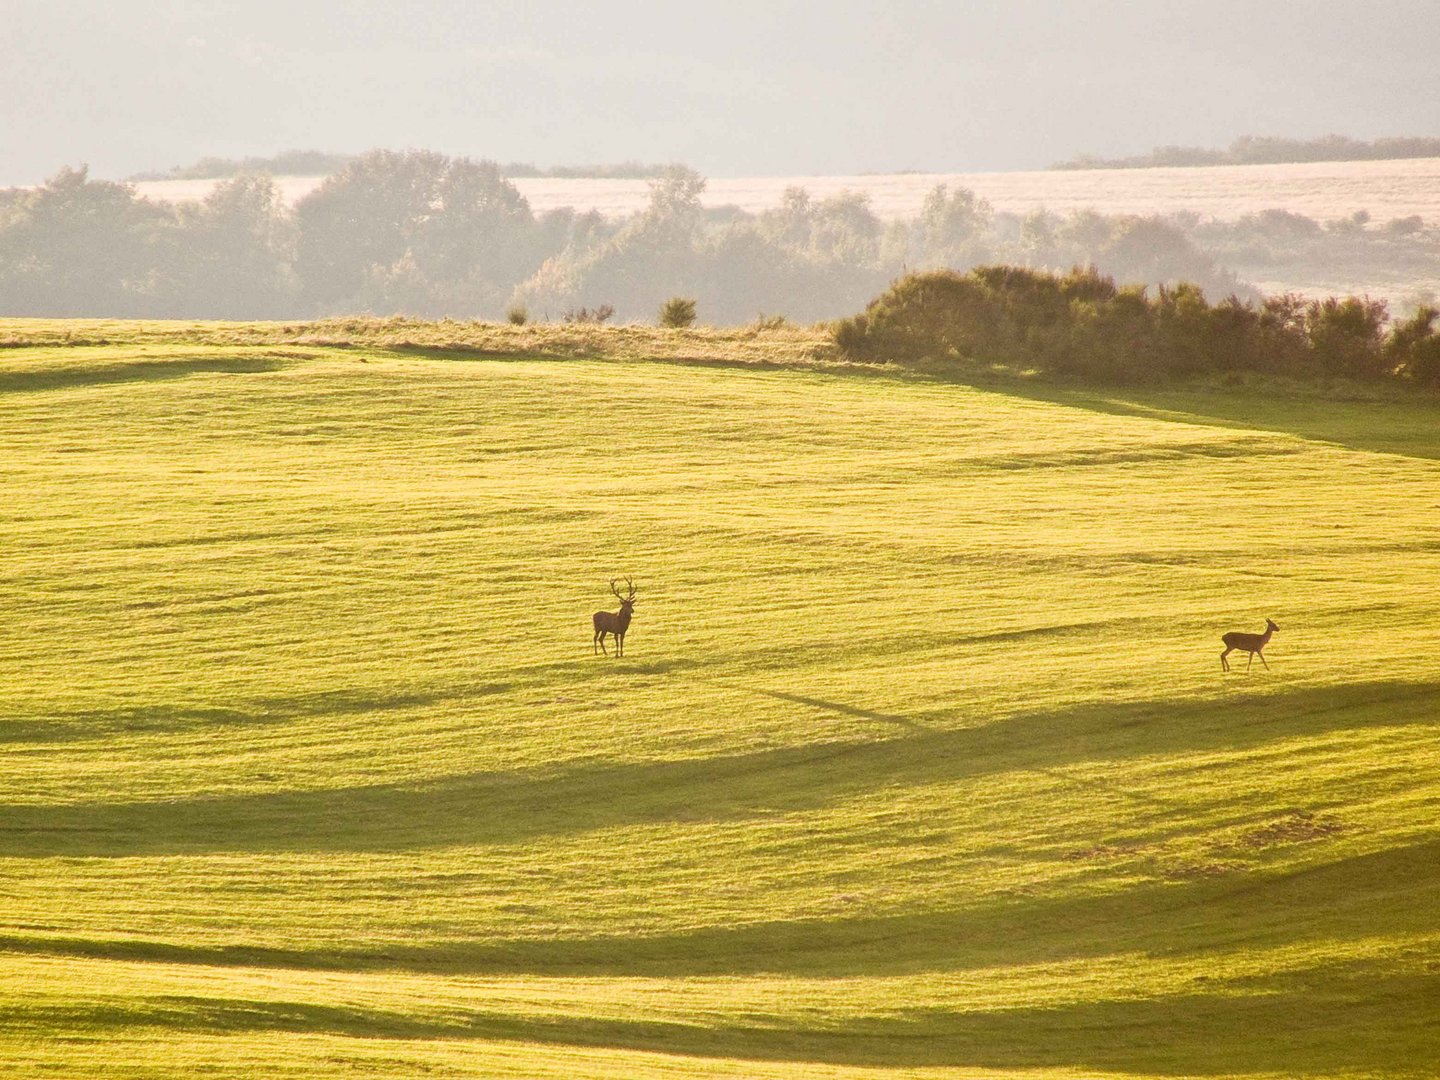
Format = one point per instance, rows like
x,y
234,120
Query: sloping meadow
x,y
920,756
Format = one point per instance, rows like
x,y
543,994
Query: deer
x,y
615,622
1254,644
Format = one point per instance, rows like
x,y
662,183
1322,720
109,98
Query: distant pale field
x,y
1320,190
920,762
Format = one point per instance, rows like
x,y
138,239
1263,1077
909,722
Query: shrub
x,y
1405,226
931,316
677,312
1347,336
1082,325
1413,347
850,336
587,315
516,315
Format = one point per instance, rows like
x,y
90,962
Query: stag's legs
x,y
619,644
600,637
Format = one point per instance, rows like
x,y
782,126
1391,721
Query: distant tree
x,y
479,237
954,230
1279,225
362,219
1083,233
232,254
1143,250
845,230
636,266
415,230
77,247
1038,243
1350,224
790,224
1405,226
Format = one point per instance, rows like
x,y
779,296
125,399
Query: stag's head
x,y
627,602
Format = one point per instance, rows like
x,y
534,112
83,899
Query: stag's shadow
x,y
840,709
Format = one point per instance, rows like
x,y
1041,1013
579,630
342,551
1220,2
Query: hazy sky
x,y
733,88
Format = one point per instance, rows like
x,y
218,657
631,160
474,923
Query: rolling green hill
x,y
920,760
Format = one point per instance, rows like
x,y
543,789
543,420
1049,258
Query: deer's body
x,y
1254,644
614,622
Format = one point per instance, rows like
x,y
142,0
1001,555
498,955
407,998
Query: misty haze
x,y
755,540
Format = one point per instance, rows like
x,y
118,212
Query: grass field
x,y
920,760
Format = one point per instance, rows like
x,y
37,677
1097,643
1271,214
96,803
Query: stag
x,y
615,622
1254,644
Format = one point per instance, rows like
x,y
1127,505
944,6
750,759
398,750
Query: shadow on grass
x,y
66,375
1390,891
1392,421
836,707
1322,1023
512,807
1388,420
98,724
821,364
1397,422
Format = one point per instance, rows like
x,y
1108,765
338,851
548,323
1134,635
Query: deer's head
x,y
1269,625
627,602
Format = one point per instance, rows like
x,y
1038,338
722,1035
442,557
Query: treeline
x,y
1268,150
321,163
622,170
1400,256
285,163
418,233
1082,325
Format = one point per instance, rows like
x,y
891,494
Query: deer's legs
x,y
1224,664
1261,655
1250,661
600,637
619,644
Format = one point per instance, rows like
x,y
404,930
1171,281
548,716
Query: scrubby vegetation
x,y
1083,324
772,342
678,312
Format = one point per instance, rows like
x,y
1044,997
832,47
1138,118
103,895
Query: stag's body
x,y
614,622
1254,644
